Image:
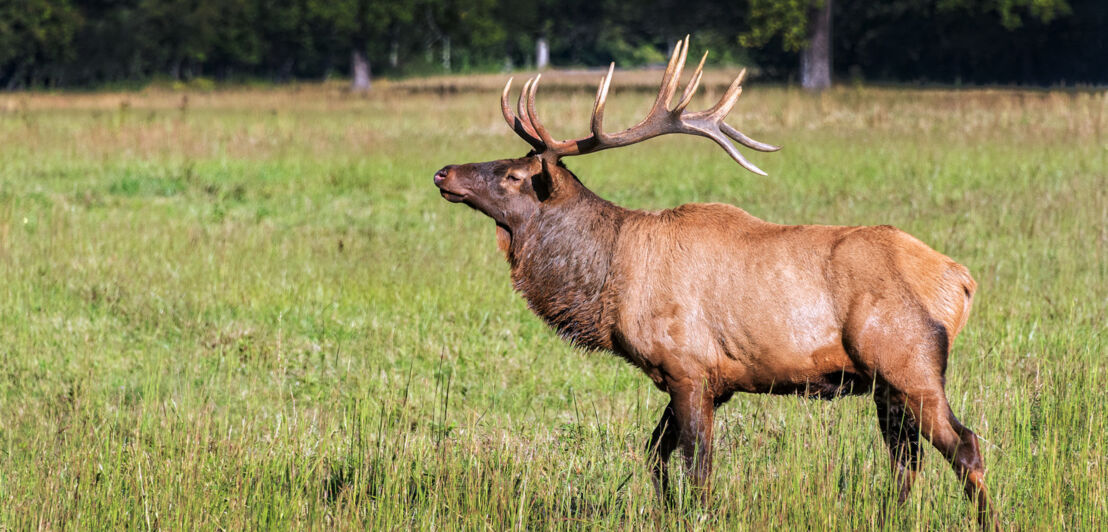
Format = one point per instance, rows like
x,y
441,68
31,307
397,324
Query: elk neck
x,y
560,260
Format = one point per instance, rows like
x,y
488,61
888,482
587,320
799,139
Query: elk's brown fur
x,y
709,300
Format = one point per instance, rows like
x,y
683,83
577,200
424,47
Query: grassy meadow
x,y
250,309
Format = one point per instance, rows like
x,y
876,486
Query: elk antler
x,y
659,121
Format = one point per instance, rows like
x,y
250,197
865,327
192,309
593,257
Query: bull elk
x,y
709,300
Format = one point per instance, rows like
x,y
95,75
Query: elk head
x,y
510,191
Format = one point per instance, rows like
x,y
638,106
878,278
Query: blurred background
x,y
87,43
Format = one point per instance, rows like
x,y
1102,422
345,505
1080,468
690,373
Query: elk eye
x,y
514,178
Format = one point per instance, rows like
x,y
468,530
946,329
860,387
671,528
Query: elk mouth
x,y
453,197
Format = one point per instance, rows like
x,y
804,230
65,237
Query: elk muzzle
x,y
446,180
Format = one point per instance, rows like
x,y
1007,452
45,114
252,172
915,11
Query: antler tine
x,y
671,76
505,108
598,106
522,102
513,121
676,79
745,140
694,83
525,118
720,110
558,147
732,151
724,105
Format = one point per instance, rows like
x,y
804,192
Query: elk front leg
x,y
693,409
662,443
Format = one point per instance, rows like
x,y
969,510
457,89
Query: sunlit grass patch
x,y
254,310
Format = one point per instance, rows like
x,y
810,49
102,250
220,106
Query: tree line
x,y
87,43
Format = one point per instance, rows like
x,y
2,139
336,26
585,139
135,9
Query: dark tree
x,y
36,38
49,43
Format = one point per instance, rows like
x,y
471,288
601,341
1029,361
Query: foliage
x,y
1011,12
48,43
787,19
36,35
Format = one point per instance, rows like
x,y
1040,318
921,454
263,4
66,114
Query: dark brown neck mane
x,y
560,262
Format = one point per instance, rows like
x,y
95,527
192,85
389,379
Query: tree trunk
x,y
359,70
394,53
542,53
175,70
284,72
815,60
446,54
328,66
16,78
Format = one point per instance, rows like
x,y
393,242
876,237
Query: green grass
x,y
253,310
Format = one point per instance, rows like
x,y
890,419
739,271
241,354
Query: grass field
x,y
251,309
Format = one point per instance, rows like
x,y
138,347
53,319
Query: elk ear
x,y
543,182
503,239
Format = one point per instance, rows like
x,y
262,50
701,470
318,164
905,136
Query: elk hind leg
x,y
901,435
910,358
959,445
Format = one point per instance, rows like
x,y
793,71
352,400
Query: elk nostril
x,y
440,176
